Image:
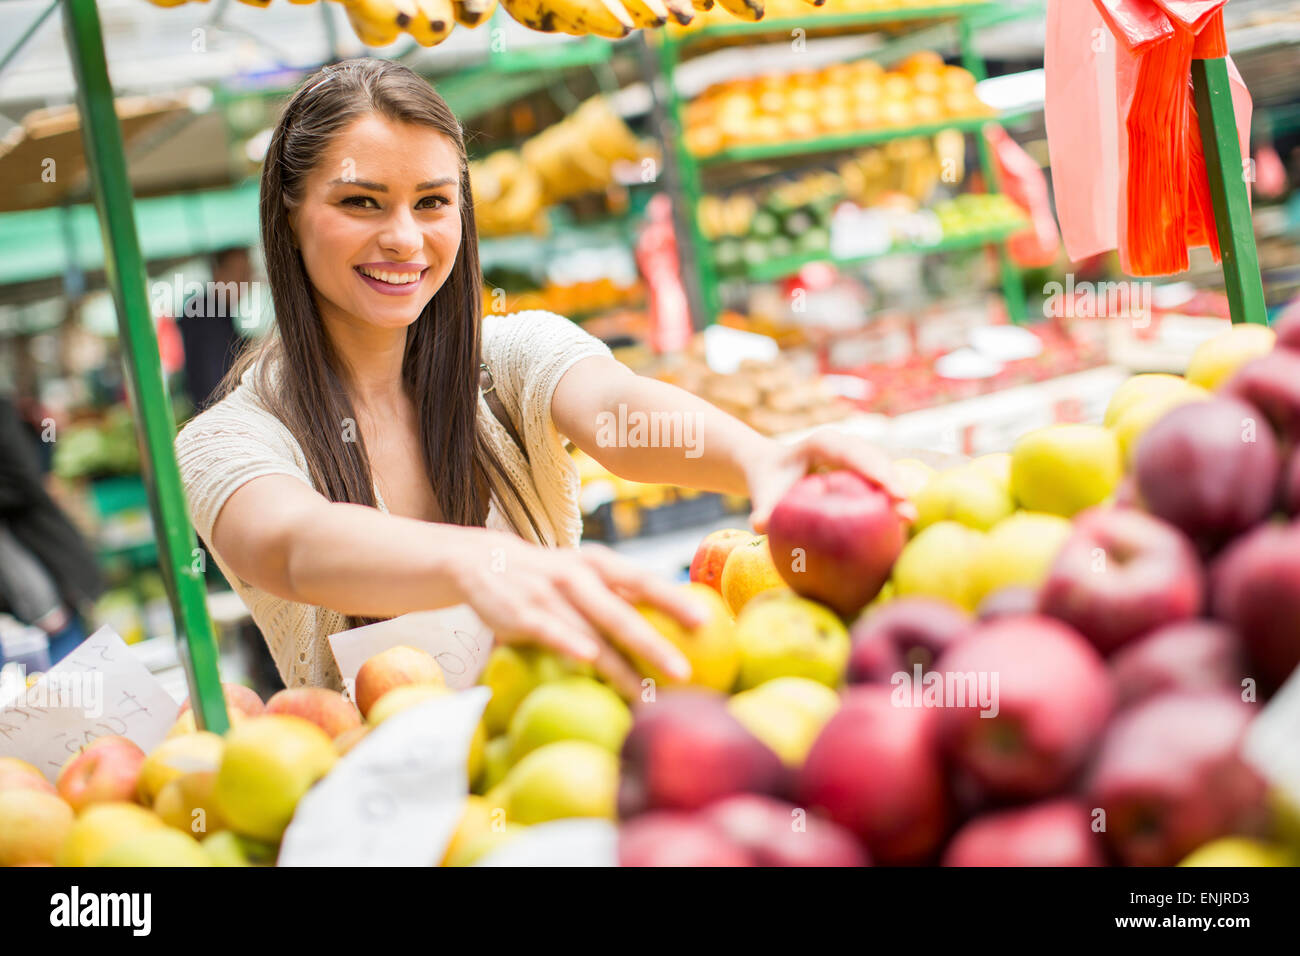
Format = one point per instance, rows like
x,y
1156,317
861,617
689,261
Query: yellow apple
x,y
402,698
270,762
711,648
483,844
187,804
1017,552
18,774
939,562
33,826
1216,359
576,708
996,466
227,848
912,475
164,847
572,778
749,571
1138,390
969,495
103,826
1239,851
200,750
475,820
1062,469
512,673
787,714
784,635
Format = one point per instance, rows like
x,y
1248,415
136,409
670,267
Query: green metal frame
x,y
125,270
697,254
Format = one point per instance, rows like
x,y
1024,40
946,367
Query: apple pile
x,y
198,798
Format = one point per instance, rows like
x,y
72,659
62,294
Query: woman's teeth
x,y
392,278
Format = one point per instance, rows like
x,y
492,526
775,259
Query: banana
x,y
682,11
532,14
745,9
647,13
433,23
604,18
375,21
704,6
470,13
253,3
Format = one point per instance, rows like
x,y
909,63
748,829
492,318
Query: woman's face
x,y
379,221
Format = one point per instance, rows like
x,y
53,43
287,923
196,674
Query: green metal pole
x,y
691,189
1013,288
125,270
1223,163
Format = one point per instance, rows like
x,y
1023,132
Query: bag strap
x,y
488,386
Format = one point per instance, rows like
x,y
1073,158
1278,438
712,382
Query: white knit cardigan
x,y
238,439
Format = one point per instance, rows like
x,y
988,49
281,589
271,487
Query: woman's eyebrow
x,y
381,188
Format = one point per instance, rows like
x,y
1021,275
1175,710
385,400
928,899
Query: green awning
x,y
43,243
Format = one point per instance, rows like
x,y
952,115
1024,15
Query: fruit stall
x,y
1071,640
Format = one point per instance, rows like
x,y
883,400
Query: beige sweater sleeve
x,y
528,353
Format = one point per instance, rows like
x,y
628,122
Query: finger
x,y
633,585
836,449
571,637
623,626
612,666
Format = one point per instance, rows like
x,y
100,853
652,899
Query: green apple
x,y
270,762
572,778
575,708
969,495
939,563
176,756
228,848
1239,851
1137,391
403,698
1062,469
34,826
101,827
784,635
1217,359
187,804
496,763
165,847
711,649
1017,552
787,714
512,673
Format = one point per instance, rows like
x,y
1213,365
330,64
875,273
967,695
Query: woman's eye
x,y
432,202
361,202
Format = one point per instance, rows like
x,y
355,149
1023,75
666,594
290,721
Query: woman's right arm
x,y
284,538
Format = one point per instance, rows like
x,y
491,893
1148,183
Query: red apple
x,y
711,556
1169,776
876,769
327,709
776,833
900,633
1012,601
1056,833
1255,588
395,667
668,838
1209,468
1287,326
1122,574
1291,485
107,769
1048,699
1186,655
834,538
1271,383
240,699
685,750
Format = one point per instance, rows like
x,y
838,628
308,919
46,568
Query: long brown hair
x,y
441,367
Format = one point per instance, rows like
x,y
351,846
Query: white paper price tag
x,y
560,843
396,797
99,690
458,640
1272,744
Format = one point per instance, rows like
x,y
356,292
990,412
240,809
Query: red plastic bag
x,y
1139,23
1024,184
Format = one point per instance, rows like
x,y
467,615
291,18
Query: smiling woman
x,y
388,449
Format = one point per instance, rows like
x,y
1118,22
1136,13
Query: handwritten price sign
x,y
455,636
99,690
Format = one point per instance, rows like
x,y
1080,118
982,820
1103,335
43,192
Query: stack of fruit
x,y
512,188
798,9
199,799
974,213
842,98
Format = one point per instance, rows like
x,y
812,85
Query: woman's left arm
x,y
645,430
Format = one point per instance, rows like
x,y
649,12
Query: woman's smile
x,y
392,278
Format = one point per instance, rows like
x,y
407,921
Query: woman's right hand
x,y
578,603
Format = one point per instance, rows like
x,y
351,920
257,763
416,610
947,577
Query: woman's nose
x,y
400,235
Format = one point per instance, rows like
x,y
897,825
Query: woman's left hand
x,y
824,450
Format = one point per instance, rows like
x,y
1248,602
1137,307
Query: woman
x,y
362,465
